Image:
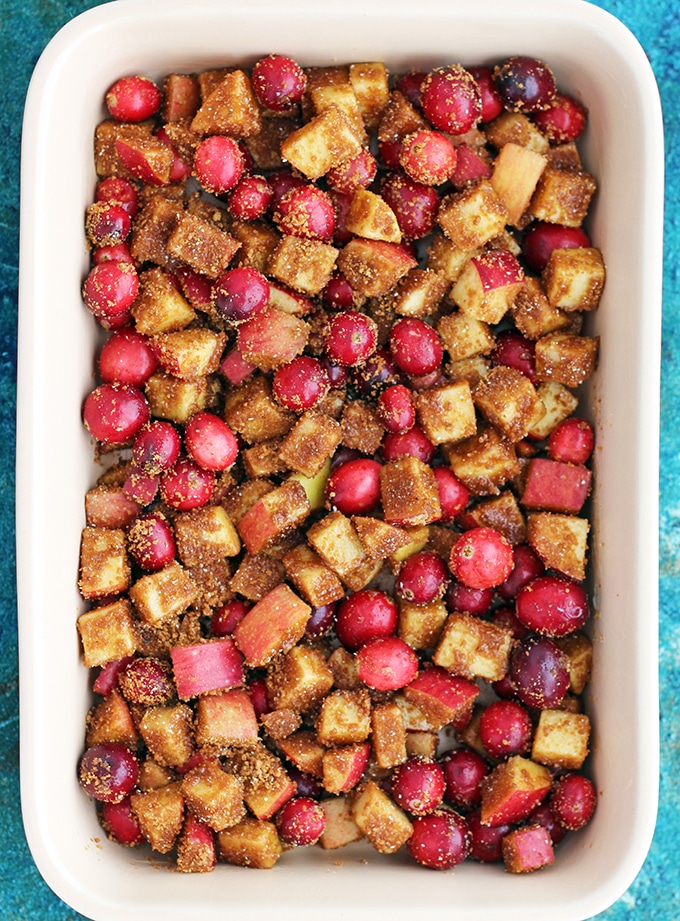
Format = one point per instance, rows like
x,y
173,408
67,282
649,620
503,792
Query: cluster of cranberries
x,y
176,466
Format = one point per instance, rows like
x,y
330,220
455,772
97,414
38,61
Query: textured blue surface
x,y
25,28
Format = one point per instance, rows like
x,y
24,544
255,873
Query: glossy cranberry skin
x,y
486,841
241,293
451,99
108,772
475,601
481,558
338,293
301,384
278,82
541,238
118,191
415,346
428,157
492,104
151,541
210,442
453,495
257,691
308,212
227,616
564,119
527,566
572,441
133,99
505,729
218,164
307,784
116,252
250,198
281,182
505,617
464,771
573,801
301,821
141,487
513,350
126,358
422,578
364,616
147,681
543,815
539,672
321,620
395,409
356,173
109,290
372,376
386,664
440,840
410,85
414,443
156,447
186,485
418,785
415,204
552,606
354,487
107,223
120,823
114,413
351,338
524,84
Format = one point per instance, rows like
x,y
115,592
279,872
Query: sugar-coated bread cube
x,y
104,563
420,625
561,739
305,751
337,543
167,733
502,513
160,814
473,648
342,96
383,823
111,721
418,293
160,596
252,412
304,265
189,353
343,766
266,783
446,258
408,492
533,313
369,80
399,118
278,724
157,219
160,307
371,217
251,843
231,108
484,462
202,245
344,718
516,171
463,336
175,399
299,679
566,358
447,413
472,217
380,539
361,428
558,402
579,651
340,828
373,267
310,443
315,581
257,575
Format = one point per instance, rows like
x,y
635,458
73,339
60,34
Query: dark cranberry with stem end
x,y
186,485
440,840
364,616
481,558
418,785
422,578
475,601
414,443
218,163
147,681
210,442
552,606
227,616
301,821
486,841
351,338
573,801
241,293
492,105
120,823
133,99
114,413
108,772
563,121
156,447
126,358
151,541
541,238
451,99
524,84
354,487
464,771
572,441
505,729
278,82
539,672
301,383
415,346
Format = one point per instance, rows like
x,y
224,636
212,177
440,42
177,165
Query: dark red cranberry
x,y
126,358
541,238
543,815
156,447
481,558
572,441
526,566
147,681
107,679
418,785
364,616
301,383
410,85
210,442
278,82
301,821
120,823
388,152
486,841
107,223
573,801
505,616
492,105
440,840
464,771
414,443
186,485
250,198
151,541
308,212
475,601
307,784
257,690
341,205
117,252
451,99
118,191
453,495
338,293
133,99
139,486
372,376
337,374
415,346
109,291
241,293
564,119
422,578
539,671
505,729
321,620
395,409
114,413
281,182
351,338
227,616
108,772
524,84
552,606
218,163
354,487
415,204
513,350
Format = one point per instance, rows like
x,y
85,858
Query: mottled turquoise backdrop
x,y
25,28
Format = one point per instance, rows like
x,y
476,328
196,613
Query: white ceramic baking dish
x,y
593,57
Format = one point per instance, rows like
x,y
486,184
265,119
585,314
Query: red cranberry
x,y
114,413
364,616
541,238
356,173
539,671
564,119
481,558
492,105
504,688
505,729
107,223
126,358
156,447
513,350
301,384
475,601
440,840
572,441
107,679
527,565
278,82
321,620
109,291
151,541
351,338
486,841
422,578
428,157
372,376
306,211
338,293
354,488
415,204
451,98
464,771
301,821
543,815
118,191
117,252
133,99
250,198
524,84
396,409
410,85
506,617
141,487
218,163
453,495
387,664
414,443
415,346
227,616
307,784
552,605
147,681
186,485
241,293
341,205
210,442
257,689
120,823
418,785
108,772
573,801
388,152
180,169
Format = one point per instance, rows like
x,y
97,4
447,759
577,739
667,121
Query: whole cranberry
x,y
241,293
524,84
513,350
147,681
107,223
151,541
543,815
539,672
301,821
541,238
422,578
415,204
108,772
552,606
410,85
321,620
117,252
395,409
218,163
250,198
372,376
109,291
475,601
352,174
418,785
354,488
453,495
572,441
414,443
156,447
281,182
427,156
139,486
308,212
118,191
492,105
227,616
278,82
440,840
451,99
133,99
301,383
415,346
186,485
364,616
126,358
351,338
114,413
526,566
563,120
573,801
464,771
210,442
486,841
505,729
338,293
481,558
386,664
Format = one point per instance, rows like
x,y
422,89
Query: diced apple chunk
x,y
472,217
104,563
512,789
322,143
473,648
251,843
340,829
528,848
107,633
214,795
574,278
272,626
447,413
515,174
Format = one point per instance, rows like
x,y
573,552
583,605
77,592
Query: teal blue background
x,y
25,28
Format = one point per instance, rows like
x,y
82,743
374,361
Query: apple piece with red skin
x,y
515,174
513,789
274,514
235,368
441,697
196,852
226,719
344,766
528,848
553,486
148,159
285,299
206,667
488,285
470,167
373,267
272,626
272,338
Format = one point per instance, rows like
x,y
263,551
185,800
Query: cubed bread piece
x,y
251,843
310,443
344,766
337,543
304,265
361,429
167,733
422,744
104,563
532,312
447,413
398,119
574,278
559,402
446,258
299,680
419,293
473,648
487,286
231,108
205,533
262,460
251,411
322,143
153,775
388,735
317,584
107,633
152,227
369,81
111,721
305,751
160,596
340,828
516,128
563,196
279,724
473,370
342,96
508,399
373,267
502,513
160,814
579,652
344,718
420,625
189,353
472,217
202,245
561,739
463,336
383,823
257,575
175,399
408,492
561,541
345,669
160,307
484,462
566,358
370,216
516,171
240,498
379,538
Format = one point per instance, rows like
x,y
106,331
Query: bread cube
x,y
502,513
299,680
370,216
527,849
231,108
383,823
305,751
574,278
473,370
473,216
160,814
189,353
388,735
344,766
342,96
561,541
516,128
160,308
566,358
152,227
160,596
304,265
345,669
251,843
446,258
418,293
419,536
340,829
104,563
447,413
174,399
563,196
512,790
361,429
202,245
398,119
508,399
111,721
579,652
152,776
484,462
344,718
317,77
310,443
473,648
252,412
422,744
324,142
317,584
559,403
487,286
369,81
373,267
107,633
516,171
262,460
337,543
265,147
408,492
167,733
561,739
533,313
420,625
380,539
463,336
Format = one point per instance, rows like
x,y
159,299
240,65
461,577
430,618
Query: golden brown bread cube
x,y
371,217
369,80
160,814
472,217
463,336
579,652
304,265
105,136
104,563
181,97
561,739
446,258
383,823
111,721
532,312
574,278
278,724
344,718
305,751
231,108
361,429
317,584
205,534
558,402
153,775
421,744
317,77
345,669
257,574
380,539
398,118
167,733
508,399
484,462
214,795
343,97
502,513
175,399
561,541
310,443
418,293
566,358
408,492
322,143
340,828
420,625
265,146
473,648
202,245
447,413
262,460
160,308
162,595
563,196
516,171
152,227
373,267
257,242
